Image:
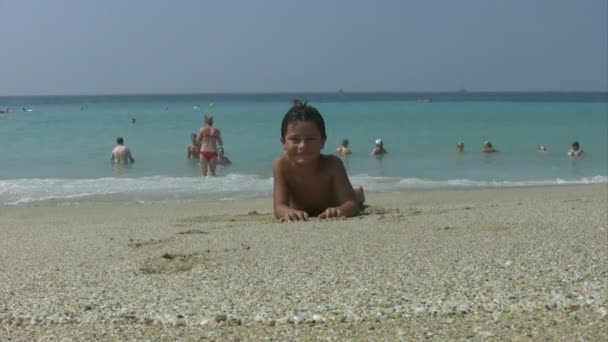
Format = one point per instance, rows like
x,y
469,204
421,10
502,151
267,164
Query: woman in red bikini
x,y
209,138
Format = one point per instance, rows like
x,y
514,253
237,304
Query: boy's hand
x,y
330,213
294,215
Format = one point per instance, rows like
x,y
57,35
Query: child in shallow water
x,y
379,149
343,148
222,160
193,148
488,148
306,182
575,150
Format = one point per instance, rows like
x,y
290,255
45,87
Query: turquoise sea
x,y
58,147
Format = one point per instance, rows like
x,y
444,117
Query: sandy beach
x,y
506,264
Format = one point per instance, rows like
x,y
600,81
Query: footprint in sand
x,y
193,231
378,211
136,243
169,263
252,216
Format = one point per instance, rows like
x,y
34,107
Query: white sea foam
x,y
229,187
388,184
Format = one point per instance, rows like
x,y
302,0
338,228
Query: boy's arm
x,y
280,196
343,190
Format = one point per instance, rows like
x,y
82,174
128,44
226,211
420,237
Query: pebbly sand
x,y
508,264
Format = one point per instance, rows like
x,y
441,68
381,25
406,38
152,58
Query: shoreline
x,y
123,198
511,263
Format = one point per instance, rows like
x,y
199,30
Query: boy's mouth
x,y
302,156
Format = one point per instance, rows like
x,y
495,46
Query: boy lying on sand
x,y
306,182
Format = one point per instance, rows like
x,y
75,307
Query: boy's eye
x,y
304,139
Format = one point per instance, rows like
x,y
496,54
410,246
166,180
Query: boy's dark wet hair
x,y
301,112
120,141
576,144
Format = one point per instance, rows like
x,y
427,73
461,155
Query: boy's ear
x,y
323,145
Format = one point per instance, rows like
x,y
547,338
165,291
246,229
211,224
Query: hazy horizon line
x,y
340,91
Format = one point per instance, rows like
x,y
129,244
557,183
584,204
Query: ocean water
x,y
60,150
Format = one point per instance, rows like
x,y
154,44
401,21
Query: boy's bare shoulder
x,y
280,159
331,161
279,162
331,158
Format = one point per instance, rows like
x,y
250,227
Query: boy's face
x,y
303,142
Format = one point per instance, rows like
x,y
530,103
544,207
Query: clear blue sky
x,y
153,46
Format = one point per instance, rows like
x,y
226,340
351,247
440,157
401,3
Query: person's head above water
x,y
576,145
460,146
120,141
345,142
378,149
209,120
302,112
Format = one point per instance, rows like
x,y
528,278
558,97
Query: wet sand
x,y
513,264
